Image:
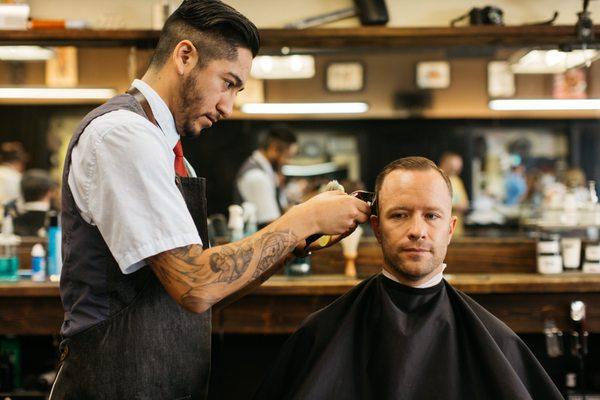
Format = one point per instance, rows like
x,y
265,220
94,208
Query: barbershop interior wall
x,y
219,152
275,14
386,75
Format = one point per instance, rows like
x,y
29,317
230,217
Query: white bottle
x,y
236,222
249,218
38,263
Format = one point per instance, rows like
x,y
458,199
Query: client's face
x,y
414,223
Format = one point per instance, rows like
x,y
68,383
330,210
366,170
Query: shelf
x,y
324,38
80,37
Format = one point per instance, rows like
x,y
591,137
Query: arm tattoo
x,y
183,267
275,245
230,264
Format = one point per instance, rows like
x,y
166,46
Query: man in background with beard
x,y
406,333
259,178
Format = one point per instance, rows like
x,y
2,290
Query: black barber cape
x,y
384,340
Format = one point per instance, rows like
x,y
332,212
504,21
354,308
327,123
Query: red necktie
x,y
179,164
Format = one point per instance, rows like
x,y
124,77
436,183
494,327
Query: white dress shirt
x,y
123,181
258,186
437,278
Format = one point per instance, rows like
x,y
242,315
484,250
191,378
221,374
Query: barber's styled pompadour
x,y
215,28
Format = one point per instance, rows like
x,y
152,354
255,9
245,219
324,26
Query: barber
x,y
138,280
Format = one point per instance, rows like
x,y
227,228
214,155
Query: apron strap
x,y
140,98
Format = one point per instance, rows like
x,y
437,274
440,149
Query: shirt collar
x,y
161,112
437,278
36,206
264,163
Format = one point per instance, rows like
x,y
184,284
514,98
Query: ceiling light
x,y
25,53
304,108
283,67
310,170
544,104
43,93
552,61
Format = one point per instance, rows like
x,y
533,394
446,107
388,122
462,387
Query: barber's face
x,y
206,94
279,154
414,223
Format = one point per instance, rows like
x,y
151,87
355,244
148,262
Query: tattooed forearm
x,y
231,263
275,246
198,279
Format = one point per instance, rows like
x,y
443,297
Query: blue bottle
x,y
54,249
9,262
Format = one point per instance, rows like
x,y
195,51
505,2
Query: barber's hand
x,y
336,213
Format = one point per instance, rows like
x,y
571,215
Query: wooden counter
x,y
522,300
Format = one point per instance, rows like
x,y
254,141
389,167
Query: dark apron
x,y
152,348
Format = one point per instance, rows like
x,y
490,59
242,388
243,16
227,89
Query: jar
x,y
592,258
571,252
549,260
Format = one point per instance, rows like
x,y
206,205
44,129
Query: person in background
x,y
13,159
575,182
259,179
515,185
38,189
452,165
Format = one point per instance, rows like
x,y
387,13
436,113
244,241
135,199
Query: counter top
x,y
334,285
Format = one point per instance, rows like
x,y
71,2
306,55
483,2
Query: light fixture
x,y
45,93
304,108
552,61
283,67
544,104
310,170
25,53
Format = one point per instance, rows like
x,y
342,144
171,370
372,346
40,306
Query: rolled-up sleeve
x,y
133,199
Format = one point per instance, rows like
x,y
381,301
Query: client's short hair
x,y
407,164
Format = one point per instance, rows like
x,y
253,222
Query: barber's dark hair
x,y
408,164
215,28
35,184
283,136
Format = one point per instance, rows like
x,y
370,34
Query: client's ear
x,y
452,227
375,225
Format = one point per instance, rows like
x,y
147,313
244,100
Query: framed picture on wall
x,y
348,76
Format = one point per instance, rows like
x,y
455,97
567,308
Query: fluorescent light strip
x,y
304,108
25,53
544,104
310,170
283,67
56,93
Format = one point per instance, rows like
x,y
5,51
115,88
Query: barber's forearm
x,y
197,279
253,283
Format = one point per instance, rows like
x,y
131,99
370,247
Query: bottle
x,y
250,224
9,242
38,263
54,249
570,385
549,260
236,222
571,252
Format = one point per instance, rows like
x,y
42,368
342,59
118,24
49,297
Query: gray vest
x,y
125,337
